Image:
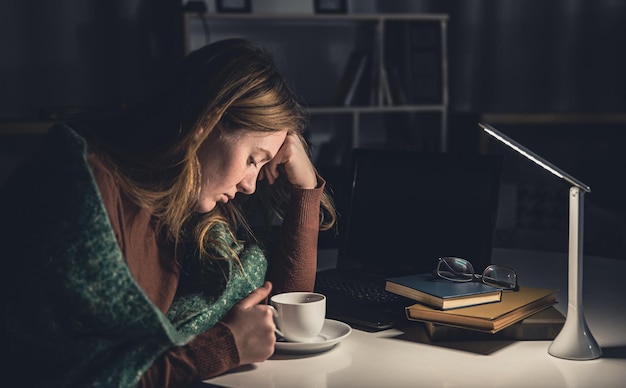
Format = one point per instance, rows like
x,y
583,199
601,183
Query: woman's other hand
x,y
252,325
293,161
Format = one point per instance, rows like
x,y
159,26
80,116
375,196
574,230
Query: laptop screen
x,y
406,209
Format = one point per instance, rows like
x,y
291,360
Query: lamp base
x,y
575,341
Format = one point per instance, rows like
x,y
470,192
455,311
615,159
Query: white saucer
x,y
331,334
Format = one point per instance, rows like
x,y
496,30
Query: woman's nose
x,y
248,184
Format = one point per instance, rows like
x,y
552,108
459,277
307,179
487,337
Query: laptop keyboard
x,y
358,289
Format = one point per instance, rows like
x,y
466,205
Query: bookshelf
x,y
389,40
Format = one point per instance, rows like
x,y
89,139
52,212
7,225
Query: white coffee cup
x,y
299,316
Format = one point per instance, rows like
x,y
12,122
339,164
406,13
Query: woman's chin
x,y
206,207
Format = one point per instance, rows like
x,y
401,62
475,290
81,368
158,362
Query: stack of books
x,y
455,310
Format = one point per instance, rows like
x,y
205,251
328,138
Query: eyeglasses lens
x,y
501,277
454,268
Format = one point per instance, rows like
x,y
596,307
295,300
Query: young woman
x,y
140,249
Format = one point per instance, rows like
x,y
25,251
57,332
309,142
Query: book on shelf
x,y
351,78
414,49
541,326
396,88
492,317
442,294
385,88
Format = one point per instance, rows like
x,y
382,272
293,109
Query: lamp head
x,y
534,157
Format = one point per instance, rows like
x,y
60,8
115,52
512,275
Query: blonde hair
x,y
228,86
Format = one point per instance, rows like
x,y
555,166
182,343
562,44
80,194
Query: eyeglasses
x,y
461,270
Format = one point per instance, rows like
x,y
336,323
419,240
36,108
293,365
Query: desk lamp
x,y
575,341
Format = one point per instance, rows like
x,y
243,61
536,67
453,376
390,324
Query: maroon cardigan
x,y
291,268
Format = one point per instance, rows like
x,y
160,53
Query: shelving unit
x,y
332,31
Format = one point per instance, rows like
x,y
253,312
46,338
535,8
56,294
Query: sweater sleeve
x,y
292,267
209,354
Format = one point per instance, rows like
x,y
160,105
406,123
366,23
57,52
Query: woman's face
x,y
230,164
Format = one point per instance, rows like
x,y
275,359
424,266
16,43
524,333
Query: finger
x,y
267,175
256,296
271,171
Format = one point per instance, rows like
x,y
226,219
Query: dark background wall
x,y
505,55
533,56
82,55
565,57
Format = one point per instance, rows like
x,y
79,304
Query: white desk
x,y
404,358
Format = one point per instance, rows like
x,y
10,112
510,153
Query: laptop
x,y
405,209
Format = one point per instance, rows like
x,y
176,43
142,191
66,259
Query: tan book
x,y
492,317
541,326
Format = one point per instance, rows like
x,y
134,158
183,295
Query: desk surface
x,y
403,356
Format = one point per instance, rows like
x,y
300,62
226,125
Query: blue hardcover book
x,y
440,293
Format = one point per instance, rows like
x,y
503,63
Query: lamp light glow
x,y
574,341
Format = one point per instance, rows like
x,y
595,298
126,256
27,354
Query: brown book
x,y
544,325
491,317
